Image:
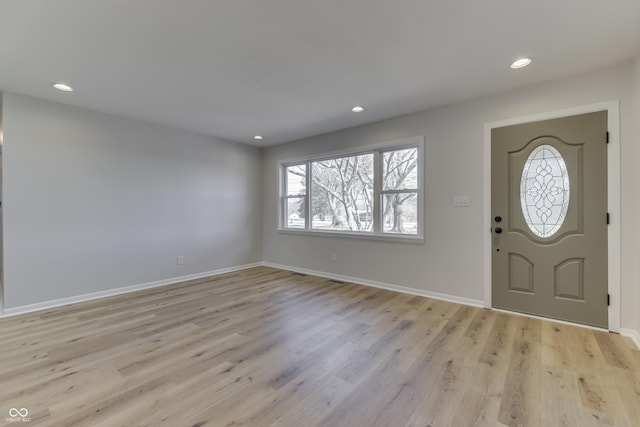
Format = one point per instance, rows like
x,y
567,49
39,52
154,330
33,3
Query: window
x,y
295,199
400,191
342,193
372,192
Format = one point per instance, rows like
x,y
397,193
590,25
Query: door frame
x,y
613,195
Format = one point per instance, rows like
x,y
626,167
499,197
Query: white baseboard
x,y
15,311
381,285
633,334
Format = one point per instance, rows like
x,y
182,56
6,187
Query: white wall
x,y
94,202
451,260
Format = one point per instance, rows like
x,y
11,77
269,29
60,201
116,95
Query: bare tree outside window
x,y
369,192
400,191
342,193
295,196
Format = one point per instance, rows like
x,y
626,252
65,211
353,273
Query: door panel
x,y
520,274
549,204
569,279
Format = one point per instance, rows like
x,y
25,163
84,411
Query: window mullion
x,y
377,188
401,191
307,198
283,199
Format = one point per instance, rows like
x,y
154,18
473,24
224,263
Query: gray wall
x,y
634,187
451,259
1,236
94,202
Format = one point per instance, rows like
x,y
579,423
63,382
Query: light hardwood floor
x,y
265,347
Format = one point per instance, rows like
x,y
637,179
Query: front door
x,y
549,218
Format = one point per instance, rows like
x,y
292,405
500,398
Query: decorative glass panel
x,y
544,191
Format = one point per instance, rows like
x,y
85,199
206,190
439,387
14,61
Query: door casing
x,y
613,199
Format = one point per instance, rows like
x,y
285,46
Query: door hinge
x,y
608,219
608,300
607,137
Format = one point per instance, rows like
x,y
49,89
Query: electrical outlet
x,y
334,257
180,260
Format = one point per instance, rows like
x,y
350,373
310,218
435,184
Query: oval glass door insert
x,y
544,191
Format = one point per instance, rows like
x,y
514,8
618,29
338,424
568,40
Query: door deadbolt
x,y
498,219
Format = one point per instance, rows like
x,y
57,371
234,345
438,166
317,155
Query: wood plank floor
x,y
265,347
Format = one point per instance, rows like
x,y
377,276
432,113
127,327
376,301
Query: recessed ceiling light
x,y
357,109
63,87
257,137
520,63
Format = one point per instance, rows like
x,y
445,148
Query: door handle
x,y
498,230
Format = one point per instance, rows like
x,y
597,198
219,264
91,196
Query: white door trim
x,y
613,195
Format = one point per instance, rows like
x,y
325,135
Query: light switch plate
x,y
461,201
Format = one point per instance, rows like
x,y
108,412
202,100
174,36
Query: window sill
x,y
386,237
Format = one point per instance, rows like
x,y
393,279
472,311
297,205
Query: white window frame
x,y
378,193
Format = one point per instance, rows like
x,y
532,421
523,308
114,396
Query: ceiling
x,y
290,69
